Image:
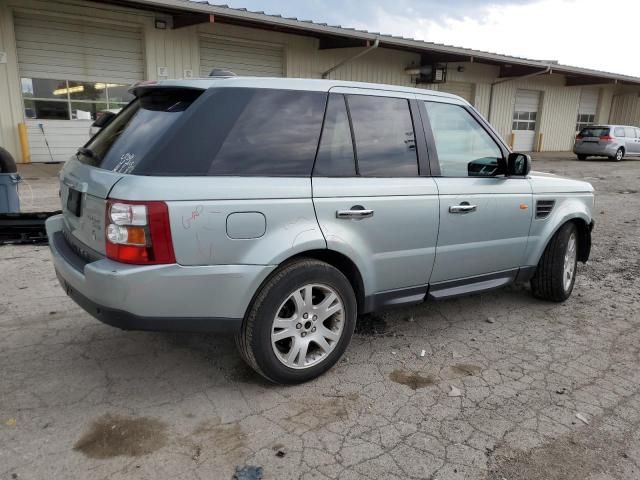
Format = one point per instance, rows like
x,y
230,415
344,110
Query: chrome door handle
x,y
463,208
354,213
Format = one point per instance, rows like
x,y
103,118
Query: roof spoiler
x,y
221,72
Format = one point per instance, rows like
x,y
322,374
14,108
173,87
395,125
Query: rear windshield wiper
x,y
87,152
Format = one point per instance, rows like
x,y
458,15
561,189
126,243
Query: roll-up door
x,y
587,107
242,58
525,117
71,71
462,89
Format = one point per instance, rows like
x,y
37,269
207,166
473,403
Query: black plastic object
x,y
18,228
7,163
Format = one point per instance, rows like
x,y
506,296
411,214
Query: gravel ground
x,y
547,391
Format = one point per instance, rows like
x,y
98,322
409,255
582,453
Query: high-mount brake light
x,y
138,233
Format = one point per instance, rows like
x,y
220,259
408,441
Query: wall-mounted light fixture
x,y
161,24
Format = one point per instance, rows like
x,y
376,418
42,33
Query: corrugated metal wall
x,y
625,109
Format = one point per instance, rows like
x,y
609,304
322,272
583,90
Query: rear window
x,y
594,131
227,131
123,143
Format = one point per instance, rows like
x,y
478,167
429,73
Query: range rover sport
x,y
279,210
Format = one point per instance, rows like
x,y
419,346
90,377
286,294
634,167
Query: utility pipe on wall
x,y
351,59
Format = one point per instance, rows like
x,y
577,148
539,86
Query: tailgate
x,y
83,193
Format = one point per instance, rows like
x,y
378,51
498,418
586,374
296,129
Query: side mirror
x,y
103,120
518,165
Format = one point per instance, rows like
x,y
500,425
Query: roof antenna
x,y
220,72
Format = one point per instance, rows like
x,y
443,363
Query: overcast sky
x,y
585,33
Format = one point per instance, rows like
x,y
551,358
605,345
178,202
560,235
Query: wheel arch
x,y
336,259
584,225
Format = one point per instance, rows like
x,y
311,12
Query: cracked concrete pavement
x,y
79,399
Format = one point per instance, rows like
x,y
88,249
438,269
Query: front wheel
x,y
300,323
582,157
556,272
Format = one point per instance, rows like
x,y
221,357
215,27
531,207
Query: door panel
x,y
395,247
484,216
491,238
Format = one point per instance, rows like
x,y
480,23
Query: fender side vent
x,y
544,207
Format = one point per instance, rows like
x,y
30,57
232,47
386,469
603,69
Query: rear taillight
x,y
606,138
579,137
138,232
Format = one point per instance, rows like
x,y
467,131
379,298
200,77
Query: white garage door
x,y
587,107
525,117
242,58
462,89
71,71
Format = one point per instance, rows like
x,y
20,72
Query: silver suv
x,y
279,210
613,141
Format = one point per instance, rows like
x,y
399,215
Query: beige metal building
x,y
63,61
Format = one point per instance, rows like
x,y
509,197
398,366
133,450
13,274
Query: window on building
x,y
464,148
50,99
335,155
584,120
524,121
384,136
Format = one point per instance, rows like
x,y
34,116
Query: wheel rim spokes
x,y
307,326
569,262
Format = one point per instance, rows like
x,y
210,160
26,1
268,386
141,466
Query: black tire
x,y
582,157
7,163
548,281
254,339
618,156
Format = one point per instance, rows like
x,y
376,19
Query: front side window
x,y
335,155
384,137
464,148
49,99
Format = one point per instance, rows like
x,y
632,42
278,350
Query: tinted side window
x,y
384,136
629,132
335,155
464,147
275,133
618,132
241,131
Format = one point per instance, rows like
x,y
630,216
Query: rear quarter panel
x,y
200,207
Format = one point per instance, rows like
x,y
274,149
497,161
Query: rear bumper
x,y
596,149
155,297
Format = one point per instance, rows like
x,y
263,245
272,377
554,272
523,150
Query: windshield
x,y
133,132
594,131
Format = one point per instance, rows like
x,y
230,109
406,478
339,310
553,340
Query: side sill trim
x,y
395,298
466,286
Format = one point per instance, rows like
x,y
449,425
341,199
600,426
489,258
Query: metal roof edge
x,y
387,40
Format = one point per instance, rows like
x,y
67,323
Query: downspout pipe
x,y
503,80
351,59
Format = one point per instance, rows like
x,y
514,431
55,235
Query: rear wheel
x,y
556,272
582,157
300,323
619,155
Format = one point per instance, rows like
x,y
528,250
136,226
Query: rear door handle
x,y
463,208
356,212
